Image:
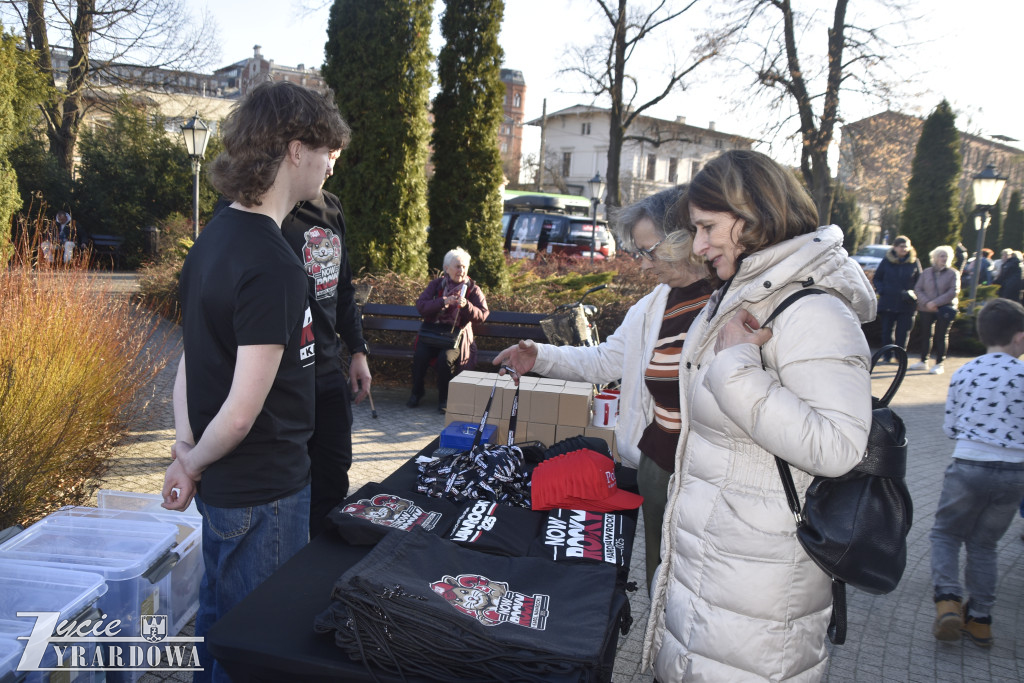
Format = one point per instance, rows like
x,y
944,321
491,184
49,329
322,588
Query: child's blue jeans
x,y
976,506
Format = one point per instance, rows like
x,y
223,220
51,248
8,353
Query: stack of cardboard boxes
x,y
549,409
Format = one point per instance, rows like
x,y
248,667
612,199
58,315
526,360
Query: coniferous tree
x,y
1013,226
994,234
465,191
378,63
931,214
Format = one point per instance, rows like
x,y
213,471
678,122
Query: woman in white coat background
x,y
643,352
736,597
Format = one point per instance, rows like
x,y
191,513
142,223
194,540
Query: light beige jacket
x,y
736,597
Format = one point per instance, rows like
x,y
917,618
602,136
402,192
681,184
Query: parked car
x,y
871,255
554,224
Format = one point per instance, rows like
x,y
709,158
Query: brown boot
x,y
948,618
978,629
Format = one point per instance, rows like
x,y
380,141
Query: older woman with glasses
x,y
643,352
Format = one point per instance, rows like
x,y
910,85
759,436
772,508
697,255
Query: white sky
x,y
972,59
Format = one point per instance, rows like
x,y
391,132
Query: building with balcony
x,y
656,154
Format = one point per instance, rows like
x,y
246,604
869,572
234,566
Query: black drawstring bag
x,y
855,526
371,512
418,605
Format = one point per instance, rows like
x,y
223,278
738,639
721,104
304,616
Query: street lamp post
x,y
987,187
596,189
197,135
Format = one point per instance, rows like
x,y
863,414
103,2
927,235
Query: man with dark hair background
x,y
315,230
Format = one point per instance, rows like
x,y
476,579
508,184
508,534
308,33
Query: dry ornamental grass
x,y
73,367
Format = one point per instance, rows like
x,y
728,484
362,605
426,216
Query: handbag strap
x,y
784,472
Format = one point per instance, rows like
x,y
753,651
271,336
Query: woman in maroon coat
x,y
451,303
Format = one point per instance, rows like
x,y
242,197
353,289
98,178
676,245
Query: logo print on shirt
x,y
321,256
307,347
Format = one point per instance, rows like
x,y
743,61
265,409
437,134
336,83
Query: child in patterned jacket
x,y
985,482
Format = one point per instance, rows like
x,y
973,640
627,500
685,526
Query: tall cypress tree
x,y
931,214
378,63
465,191
1013,226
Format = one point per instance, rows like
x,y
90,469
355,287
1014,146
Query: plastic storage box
x,y
182,601
30,588
134,558
10,653
460,435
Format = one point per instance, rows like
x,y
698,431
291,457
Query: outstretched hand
x,y
742,328
521,357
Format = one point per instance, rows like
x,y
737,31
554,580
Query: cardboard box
x,y
574,406
563,432
502,436
544,400
538,431
462,394
551,382
607,434
483,394
450,417
569,384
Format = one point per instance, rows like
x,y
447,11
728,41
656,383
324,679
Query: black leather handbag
x,y
440,336
855,526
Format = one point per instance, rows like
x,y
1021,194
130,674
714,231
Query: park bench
x,y
105,250
405,321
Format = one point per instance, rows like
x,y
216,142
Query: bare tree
x,y
103,36
602,66
856,59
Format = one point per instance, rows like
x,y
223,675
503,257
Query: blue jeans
x,y
242,547
976,506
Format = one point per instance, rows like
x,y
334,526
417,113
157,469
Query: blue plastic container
x,y
460,435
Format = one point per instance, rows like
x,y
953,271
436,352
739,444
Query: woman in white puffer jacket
x,y
736,597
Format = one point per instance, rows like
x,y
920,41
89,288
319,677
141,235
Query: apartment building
x,y
656,154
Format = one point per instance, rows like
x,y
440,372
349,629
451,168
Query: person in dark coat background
x,y
894,280
1009,278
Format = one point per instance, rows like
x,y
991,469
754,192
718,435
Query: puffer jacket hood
x,y
892,257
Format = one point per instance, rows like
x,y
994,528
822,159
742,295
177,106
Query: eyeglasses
x,y
647,253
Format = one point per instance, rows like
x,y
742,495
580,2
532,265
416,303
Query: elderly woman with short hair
x,y
451,302
936,290
643,352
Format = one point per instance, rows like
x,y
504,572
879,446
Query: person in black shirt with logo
x,y
315,230
243,395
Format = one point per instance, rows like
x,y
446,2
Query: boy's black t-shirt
x,y
242,285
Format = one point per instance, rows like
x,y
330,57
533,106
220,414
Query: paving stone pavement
x,y
889,636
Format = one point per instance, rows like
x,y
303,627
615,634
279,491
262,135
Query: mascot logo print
x,y
322,257
491,602
391,511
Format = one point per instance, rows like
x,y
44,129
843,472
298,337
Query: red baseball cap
x,y
580,480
